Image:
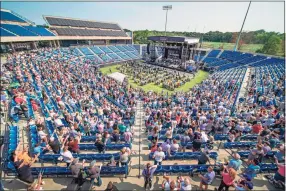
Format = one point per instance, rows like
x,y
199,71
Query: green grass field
x,y
200,76
229,46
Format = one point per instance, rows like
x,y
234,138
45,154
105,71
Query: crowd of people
x,y
143,74
80,101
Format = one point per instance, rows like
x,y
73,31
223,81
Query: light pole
x,y
237,41
167,8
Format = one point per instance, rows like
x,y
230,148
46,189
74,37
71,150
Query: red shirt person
x,y
257,128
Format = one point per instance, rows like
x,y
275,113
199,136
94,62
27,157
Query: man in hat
x,y
76,170
94,173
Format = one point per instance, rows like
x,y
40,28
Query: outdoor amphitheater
x,y
85,108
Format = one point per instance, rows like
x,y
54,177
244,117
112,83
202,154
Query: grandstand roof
x,y
64,21
176,39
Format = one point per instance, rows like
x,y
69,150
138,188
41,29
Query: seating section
x,y
224,137
105,49
8,16
185,155
264,167
87,157
244,154
86,51
80,23
232,145
39,30
87,32
18,30
59,171
6,33
213,53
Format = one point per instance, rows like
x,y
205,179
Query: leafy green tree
x,y
272,46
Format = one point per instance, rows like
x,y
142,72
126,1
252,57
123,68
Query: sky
x,y
185,16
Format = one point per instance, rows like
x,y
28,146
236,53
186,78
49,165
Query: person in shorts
x,y
207,179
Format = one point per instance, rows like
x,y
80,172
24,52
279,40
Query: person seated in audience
x,y
253,168
243,184
54,145
184,141
174,147
43,136
73,145
58,123
41,148
235,162
256,153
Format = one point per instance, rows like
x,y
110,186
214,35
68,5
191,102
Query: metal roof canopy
x,y
174,39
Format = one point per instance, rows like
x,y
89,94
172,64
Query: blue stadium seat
x,y
6,33
39,30
18,30
8,16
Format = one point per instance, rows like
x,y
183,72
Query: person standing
x,y
228,176
147,173
94,173
158,156
207,179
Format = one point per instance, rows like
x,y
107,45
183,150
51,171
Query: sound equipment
x,y
166,53
181,52
148,48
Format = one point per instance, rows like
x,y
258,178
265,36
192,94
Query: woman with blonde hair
x,y
228,176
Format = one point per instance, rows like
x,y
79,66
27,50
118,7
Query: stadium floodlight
x,y
238,38
166,8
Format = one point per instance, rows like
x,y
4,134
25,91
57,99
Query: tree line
x,y
273,42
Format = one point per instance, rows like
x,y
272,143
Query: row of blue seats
x,y
213,53
93,138
244,154
185,155
264,167
87,157
223,137
232,145
55,171
189,145
13,138
26,30
115,147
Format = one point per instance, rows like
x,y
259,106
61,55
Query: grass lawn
x,y
200,76
230,46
